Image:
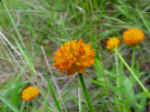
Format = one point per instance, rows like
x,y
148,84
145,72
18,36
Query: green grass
x,y
32,30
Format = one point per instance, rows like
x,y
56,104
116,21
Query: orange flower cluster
x,y
30,93
74,56
112,43
133,36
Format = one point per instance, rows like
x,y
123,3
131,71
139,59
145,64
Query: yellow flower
x,y
30,93
74,56
112,43
133,36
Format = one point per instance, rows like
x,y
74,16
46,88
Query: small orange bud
x,y
30,93
112,43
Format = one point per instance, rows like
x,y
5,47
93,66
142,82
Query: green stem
x,y
53,93
85,92
132,73
133,57
117,70
22,106
117,82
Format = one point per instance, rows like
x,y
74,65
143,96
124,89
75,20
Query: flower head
x,y
112,43
74,56
30,93
133,36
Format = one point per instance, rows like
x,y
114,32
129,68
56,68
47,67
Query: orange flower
x,y
112,43
74,56
133,36
30,93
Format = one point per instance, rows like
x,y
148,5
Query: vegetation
x,y
31,31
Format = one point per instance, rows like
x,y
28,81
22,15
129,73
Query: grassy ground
x,y
31,31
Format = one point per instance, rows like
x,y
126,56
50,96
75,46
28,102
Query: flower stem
x,y
133,57
117,70
132,73
22,106
85,92
53,94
